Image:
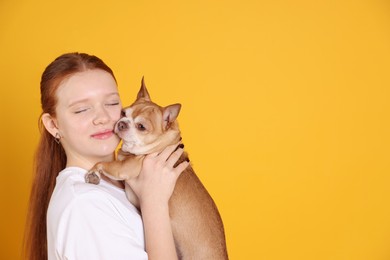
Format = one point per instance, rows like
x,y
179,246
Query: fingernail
x,y
179,146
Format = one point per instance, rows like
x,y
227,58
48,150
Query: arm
x,y
154,187
158,232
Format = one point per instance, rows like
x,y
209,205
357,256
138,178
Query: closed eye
x,y
80,110
113,104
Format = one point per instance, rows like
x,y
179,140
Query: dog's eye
x,y
123,113
141,127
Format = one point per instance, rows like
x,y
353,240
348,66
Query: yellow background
x,y
285,110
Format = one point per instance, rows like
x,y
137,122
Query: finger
x,y
181,167
155,154
164,155
175,156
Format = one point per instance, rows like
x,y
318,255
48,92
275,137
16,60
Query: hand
x,y
156,181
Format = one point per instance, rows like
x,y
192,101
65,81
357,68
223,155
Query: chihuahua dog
x,y
146,128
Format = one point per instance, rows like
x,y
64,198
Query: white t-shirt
x,y
92,222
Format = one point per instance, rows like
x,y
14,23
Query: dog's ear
x,y
170,114
143,92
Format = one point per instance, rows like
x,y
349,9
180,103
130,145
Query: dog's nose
x,y
122,126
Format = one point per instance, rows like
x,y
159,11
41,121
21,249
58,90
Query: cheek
x,y
77,130
70,125
115,114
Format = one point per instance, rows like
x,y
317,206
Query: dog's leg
x,y
128,168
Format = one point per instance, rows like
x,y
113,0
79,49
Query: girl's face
x,y
87,110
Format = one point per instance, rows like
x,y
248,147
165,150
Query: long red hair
x,y
50,157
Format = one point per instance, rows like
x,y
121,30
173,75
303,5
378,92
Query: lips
x,y
105,134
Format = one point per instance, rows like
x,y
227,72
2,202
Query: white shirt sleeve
x,y
92,228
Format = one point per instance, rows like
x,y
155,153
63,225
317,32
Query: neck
x,y
86,163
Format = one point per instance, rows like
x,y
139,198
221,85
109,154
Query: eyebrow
x,y
86,99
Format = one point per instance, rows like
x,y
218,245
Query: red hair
x,y
50,157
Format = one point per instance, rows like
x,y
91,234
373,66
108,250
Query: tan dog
x,y
146,128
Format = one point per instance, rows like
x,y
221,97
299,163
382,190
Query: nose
x,y
102,117
122,126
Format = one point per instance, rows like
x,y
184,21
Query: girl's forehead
x,y
86,84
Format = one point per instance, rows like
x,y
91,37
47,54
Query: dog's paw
x,y
93,176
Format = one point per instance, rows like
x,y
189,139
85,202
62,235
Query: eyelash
x,y
83,110
80,111
113,104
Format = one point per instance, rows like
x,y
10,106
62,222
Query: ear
x,y
50,124
170,114
143,92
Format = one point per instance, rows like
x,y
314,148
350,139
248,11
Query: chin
x,y
128,147
107,148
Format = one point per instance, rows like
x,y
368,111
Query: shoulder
x,y
73,194
92,227
83,215
71,184
71,187
89,206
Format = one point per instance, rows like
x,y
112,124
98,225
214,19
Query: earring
x,y
57,138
